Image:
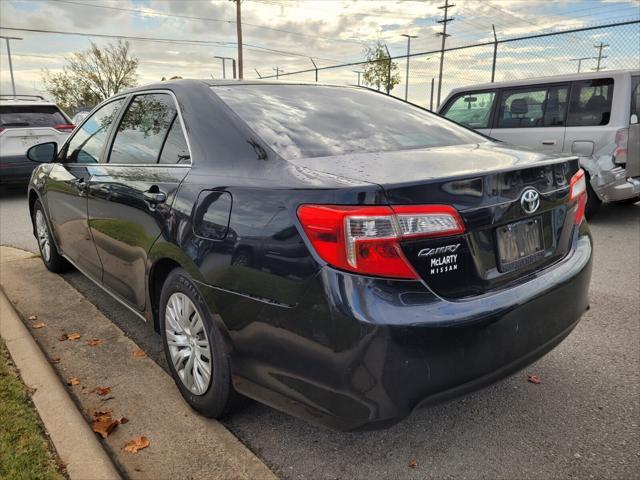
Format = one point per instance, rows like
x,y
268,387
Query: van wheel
x,y
51,258
627,201
593,202
194,347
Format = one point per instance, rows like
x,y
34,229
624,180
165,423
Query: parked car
x,y
332,252
79,116
26,120
593,115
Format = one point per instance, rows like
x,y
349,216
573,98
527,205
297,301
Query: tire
x,y
48,251
593,202
212,397
627,201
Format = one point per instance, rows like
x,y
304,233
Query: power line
x,y
205,19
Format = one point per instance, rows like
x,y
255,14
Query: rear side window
x,y
300,121
143,129
539,106
471,109
31,116
175,148
87,143
590,102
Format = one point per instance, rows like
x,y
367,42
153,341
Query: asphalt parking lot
x,y
582,421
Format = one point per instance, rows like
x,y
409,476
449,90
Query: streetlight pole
x,y
406,79
224,69
13,83
358,72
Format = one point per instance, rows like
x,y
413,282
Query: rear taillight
x,y
65,127
2,129
620,153
366,239
578,195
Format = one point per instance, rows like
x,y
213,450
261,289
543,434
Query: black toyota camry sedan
x,y
335,253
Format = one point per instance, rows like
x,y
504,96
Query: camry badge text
x,y
430,252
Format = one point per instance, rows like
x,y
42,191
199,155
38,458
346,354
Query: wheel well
x,y
159,273
33,196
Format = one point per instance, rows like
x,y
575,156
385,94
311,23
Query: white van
x,y
591,115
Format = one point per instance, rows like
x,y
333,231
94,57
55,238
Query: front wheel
x,y
48,250
194,347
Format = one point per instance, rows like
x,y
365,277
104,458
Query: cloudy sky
x,y
285,33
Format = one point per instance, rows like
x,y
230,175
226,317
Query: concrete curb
x,y
74,441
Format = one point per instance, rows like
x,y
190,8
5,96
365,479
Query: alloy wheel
x,y
188,343
43,236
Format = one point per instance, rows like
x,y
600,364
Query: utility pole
x,y
239,33
580,60
13,83
444,35
278,71
358,72
600,56
406,80
495,53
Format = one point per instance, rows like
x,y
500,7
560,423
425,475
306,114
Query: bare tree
x,y
92,75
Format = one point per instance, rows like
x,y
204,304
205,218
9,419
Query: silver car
x,y
592,115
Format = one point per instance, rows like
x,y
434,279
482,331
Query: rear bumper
x,y
615,185
362,353
15,168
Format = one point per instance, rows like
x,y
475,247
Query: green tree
x,y
378,67
93,75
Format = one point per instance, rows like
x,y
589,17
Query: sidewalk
x,y
181,443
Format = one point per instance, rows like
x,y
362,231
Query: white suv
x,y
26,120
591,115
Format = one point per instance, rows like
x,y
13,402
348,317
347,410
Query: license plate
x,y
520,244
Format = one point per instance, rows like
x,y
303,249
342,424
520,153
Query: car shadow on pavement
x,y
610,214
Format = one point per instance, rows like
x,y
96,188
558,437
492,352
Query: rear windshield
x,y
16,116
300,121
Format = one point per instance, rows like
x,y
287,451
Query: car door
x,y
130,196
67,188
532,116
472,109
633,142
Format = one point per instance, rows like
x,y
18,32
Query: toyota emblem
x,y
530,200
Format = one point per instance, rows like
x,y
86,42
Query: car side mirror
x,y
43,152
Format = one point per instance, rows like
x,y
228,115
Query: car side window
x,y
522,108
590,102
175,149
472,109
143,129
87,143
635,96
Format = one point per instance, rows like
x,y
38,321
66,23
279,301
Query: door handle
x,y
548,142
154,197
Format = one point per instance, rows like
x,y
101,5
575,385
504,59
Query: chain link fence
x,y
505,59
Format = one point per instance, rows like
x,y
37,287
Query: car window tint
x,y
30,116
471,109
555,106
635,96
87,142
143,129
300,121
590,102
175,148
522,108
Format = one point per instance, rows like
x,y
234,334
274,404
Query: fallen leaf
x,y
535,379
33,318
123,420
102,391
63,337
413,463
74,336
54,360
139,354
138,443
73,381
39,325
103,424
93,342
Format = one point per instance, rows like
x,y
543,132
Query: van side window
x,y
635,96
472,109
536,106
590,102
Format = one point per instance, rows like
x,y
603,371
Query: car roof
x,y
550,79
28,100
